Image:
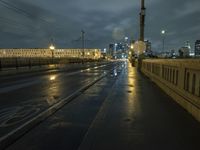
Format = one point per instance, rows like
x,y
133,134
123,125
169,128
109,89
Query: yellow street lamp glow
x,y
52,47
132,46
139,47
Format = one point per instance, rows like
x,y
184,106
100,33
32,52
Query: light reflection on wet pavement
x,y
20,104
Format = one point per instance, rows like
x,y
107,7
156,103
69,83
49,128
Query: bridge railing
x,y
179,78
17,62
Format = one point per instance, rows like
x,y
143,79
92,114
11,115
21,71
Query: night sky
x,y
35,23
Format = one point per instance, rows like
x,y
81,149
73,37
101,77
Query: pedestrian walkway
x,y
137,115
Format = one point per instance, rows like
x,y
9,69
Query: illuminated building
x,y
45,53
197,48
111,50
148,47
184,52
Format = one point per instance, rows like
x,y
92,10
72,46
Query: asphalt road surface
x,y
25,96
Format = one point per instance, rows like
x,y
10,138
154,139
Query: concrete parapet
x,y
16,62
48,53
179,78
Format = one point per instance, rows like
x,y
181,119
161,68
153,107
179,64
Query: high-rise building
x,y
184,52
118,50
197,48
111,50
187,44
148,45
148,50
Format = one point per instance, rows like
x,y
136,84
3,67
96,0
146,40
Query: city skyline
x,y
25,23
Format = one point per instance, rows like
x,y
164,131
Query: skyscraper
x,y
197,48
187,44
111,50
148,46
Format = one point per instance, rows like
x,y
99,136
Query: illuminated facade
x,y
197,48
111,50
57,53
184,51
148,46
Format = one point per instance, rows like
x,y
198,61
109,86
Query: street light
x,y
163,32
132,46
52,48
131,50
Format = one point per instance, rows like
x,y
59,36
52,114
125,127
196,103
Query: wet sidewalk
x,y
138,115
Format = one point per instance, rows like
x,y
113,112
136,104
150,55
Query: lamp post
x,y
83,44
52,48
163,32
142,20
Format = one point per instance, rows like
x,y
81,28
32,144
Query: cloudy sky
x,y
35,23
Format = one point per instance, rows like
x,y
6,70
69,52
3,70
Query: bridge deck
x,y
135,114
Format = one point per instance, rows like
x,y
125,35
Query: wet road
x,y
124,110
25,96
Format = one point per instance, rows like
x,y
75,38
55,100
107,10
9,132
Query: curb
x,y
12,136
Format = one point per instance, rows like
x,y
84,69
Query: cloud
x,y
188,8
104,21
